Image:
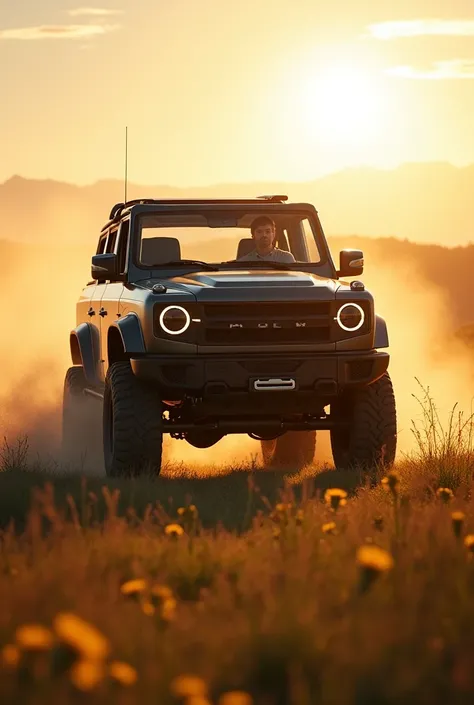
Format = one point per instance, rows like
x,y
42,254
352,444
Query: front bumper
x,y
323,375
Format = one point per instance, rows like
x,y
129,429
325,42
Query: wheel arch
x,y
128,331
84,347
381,333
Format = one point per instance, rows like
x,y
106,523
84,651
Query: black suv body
x,y
200,349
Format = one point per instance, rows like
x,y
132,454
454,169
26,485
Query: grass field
x,y
247,587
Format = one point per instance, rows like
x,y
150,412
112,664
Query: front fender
x,y
85,350
131,333
381,333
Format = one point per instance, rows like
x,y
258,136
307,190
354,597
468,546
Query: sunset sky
x,y
219,91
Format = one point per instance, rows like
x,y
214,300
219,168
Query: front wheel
x,y
291,451
132,424
370,438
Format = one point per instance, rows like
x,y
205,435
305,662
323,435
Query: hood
x,y
251,284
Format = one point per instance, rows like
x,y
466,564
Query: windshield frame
x,y
303,210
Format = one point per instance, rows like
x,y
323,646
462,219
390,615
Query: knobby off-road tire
x,y
132,424
292,451
81,423
370,441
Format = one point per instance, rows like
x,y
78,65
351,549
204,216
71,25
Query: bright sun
x,y
342,104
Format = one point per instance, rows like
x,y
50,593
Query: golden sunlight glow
x,y
342,104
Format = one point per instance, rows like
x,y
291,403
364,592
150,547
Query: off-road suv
x,y
178,335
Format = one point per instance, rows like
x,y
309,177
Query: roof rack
x,y
119,207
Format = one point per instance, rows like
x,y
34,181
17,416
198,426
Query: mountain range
x,y
420,202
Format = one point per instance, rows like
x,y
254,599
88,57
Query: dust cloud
x,y
39,288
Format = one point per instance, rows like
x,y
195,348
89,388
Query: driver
x,y
263,231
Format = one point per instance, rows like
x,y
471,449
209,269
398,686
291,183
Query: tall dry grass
x,y
271,590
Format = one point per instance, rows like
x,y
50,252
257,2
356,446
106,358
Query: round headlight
x,y
350,317
174,320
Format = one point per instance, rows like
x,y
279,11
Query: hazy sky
x,y
219,91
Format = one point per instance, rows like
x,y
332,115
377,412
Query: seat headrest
x,y
246,245
159,250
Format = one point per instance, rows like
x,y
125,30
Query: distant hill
x,y
426,203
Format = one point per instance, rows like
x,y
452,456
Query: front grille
x,y
267,309
267,323
255,336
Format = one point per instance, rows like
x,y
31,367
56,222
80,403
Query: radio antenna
x,y
126,161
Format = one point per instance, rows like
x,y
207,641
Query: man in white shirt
x,y
264,236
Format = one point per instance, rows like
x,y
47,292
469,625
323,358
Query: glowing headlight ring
x,y
165,327
359,325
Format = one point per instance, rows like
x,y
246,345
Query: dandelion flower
x,y
188,686
329,527
87,674
335,497
235,697
457,519
133,587
372,561
10,655
190,511
34,637
81,636
469,542
174,530
445,494
123,673
391,481
162,592
375,558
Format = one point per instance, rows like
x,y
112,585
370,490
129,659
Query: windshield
x,y
214,238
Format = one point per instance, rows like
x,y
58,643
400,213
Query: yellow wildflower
x,y
191,511
34,637
81,636
174,530
445,494
374,558
133,587
235,697
87,674
372,561
161,591
457,519
329,527
10,655
188,686
123,673
335,497
469,542
391,481
276,534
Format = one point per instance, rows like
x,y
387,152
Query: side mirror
x,y
351,263
105,266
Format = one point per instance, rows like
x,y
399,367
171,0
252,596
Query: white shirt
x,y
275,255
